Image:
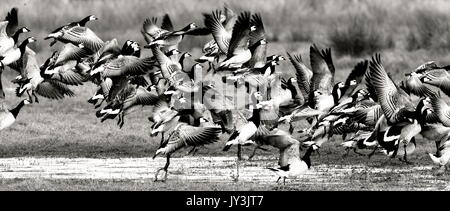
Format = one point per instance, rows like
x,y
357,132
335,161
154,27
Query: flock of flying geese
x,y
192,106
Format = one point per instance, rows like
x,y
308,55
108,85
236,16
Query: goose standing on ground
x,y
243,135
399,120
443,158
8,116
295,166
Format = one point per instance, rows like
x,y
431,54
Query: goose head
x,y
24,88
173,52
92,18
131,48
407,116
361,94
83,21
187,28
353,83
24,30
186,54
28,41
256,97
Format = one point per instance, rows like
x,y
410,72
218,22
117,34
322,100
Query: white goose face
x,y
198,66
25,88
253,28
293,80
315,147
341,85
317,93
192,26
426,79
257,96
92,18
273,63
263,42
175,52
31,40
203,120
135,46
25,30
223,18
26,102
187,54
352,82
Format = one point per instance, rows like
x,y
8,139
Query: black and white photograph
x,y
226,95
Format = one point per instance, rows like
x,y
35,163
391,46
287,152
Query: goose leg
x,y
284,180
405,156
291,128
35,97
253,153
438,152
278,180
347,151
29,96
162,138
122,120
166,166
236,176
360,154
239,153
193,150
372,153
100,104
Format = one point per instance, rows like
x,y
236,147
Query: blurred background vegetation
x,y
354,27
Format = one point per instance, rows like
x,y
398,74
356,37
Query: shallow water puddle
x,y
201,169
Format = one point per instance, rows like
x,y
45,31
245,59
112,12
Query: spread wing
x,y
13,21
391,99
323,71
220,34
240,36
302,73
53,89
187,135
128,66
167,23
83,35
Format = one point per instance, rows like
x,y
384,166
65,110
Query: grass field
x,y
406,33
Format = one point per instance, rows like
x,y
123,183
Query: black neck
x,y
23,45
84,21
256,117
254,46
185,29
293,90
15,111
336,94
181,61
16,35
306,158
